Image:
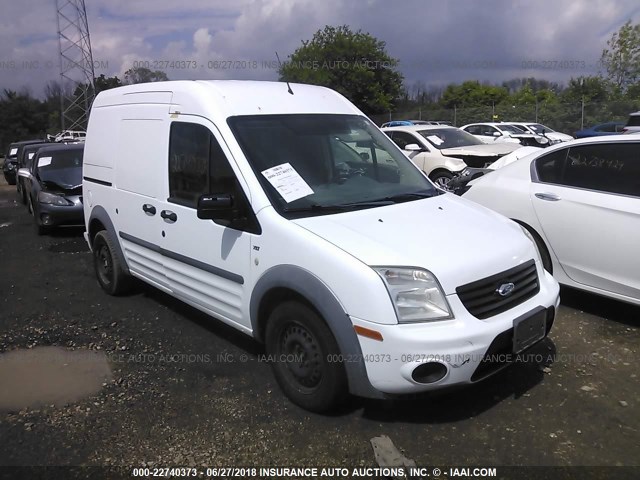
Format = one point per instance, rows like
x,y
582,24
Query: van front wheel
x,y
305,357
111,276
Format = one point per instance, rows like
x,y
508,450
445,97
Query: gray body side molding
x,y
324,301
99,213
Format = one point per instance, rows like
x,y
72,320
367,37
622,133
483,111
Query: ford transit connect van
x,y
285,212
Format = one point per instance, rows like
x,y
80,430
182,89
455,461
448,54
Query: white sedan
x,y
497,132
539,129
580,200
443,152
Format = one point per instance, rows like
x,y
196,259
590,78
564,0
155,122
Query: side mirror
x,y
364,156
214,206
413,147
24,172
496,134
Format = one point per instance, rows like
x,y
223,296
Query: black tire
x,y
109,271
21,195
10,182
441,178
313,382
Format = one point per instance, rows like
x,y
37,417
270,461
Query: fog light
x,y
46,219
429,372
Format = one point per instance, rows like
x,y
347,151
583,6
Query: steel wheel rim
x,y
104,264
301,353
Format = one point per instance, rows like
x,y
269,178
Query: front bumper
x,y
58,215
462,345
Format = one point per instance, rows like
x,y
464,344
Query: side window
x,y
550,168
402,139
607,127
606,167
197,166
473,130
189,152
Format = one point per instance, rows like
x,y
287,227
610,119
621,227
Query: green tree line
x,y
357,65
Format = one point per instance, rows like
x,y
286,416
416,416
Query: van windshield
x,y
315,164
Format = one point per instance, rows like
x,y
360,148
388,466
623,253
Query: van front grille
x,y
495,294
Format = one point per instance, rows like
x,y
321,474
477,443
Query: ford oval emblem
x,y
505,289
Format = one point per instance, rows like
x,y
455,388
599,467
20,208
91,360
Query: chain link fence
x,y
563,117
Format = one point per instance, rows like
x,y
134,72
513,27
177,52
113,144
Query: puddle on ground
x,y
50,376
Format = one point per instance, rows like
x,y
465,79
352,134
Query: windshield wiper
x,y
318,208
405,197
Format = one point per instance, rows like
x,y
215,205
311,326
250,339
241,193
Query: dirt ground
x,y
186,390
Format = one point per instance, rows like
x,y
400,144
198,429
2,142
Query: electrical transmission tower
x,y
76,64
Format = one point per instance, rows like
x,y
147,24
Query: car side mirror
x,y
496,134
215,206
413,147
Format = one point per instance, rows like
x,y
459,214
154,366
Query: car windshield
x,y
62,169
442,138
511,129
313,164
539,128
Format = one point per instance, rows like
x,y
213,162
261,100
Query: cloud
x,y
436,42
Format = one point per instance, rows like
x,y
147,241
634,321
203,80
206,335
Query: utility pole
x,y
76,64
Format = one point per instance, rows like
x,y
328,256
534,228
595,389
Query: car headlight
x,y
11,166
533,240
415,293
53,199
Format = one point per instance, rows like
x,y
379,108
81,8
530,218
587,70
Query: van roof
x,y
229,97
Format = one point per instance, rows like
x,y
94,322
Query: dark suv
x,y
10,167
24,161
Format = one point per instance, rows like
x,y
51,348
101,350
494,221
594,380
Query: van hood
x,y
484,150
455,239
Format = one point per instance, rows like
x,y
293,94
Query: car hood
x,y
455,239
557,136
512,157
484,150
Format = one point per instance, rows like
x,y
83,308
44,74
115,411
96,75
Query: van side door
x,y
207,263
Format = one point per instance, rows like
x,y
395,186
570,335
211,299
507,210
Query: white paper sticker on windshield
x,y
30,155
287,182
13,151
435,139
44,161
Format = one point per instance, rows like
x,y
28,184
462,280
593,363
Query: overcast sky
x,y
436,41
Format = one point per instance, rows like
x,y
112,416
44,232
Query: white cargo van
x,y
289,215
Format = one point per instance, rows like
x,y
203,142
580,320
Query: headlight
x,y
533,240
11,166
53,199
415,293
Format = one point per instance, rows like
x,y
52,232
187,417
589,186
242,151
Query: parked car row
x,y
297,221
49,182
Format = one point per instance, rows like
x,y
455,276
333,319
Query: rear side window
x,y
634,121
606,167
550,167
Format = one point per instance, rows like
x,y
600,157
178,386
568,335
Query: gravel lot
x,y
186,390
